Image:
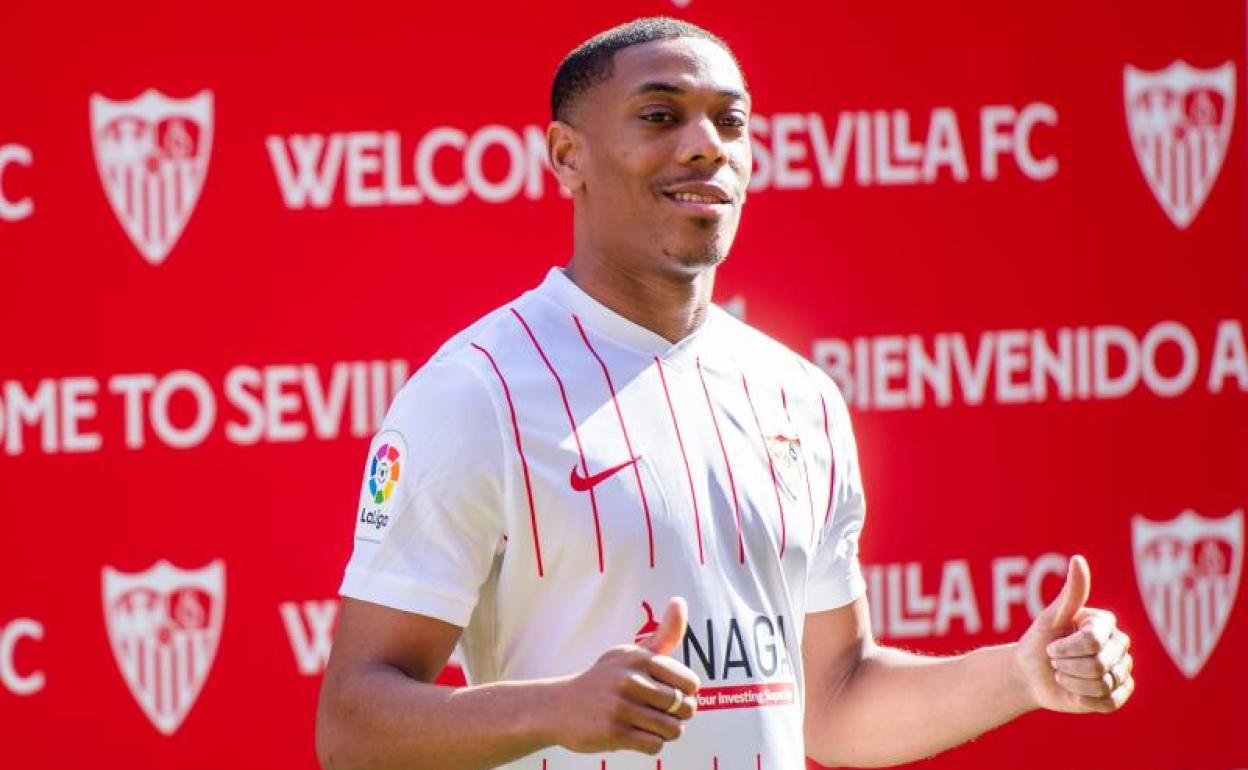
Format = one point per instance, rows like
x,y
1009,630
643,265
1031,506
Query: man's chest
x,y
636,463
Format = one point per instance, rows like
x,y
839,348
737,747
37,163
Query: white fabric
x,y
457,539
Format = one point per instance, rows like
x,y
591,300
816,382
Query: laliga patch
x,y
383,472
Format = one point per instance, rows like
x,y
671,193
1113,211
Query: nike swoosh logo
x,y
584,483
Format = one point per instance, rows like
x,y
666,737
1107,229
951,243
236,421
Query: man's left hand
x,y
1074,658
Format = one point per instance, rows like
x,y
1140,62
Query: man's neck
x,y
672,307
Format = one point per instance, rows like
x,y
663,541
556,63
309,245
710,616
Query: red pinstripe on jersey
x,y
732,484
628,444
524,463
680,442
810,498
771,466
563,394
831,460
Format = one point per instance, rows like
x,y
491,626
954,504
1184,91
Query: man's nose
x,y
701,144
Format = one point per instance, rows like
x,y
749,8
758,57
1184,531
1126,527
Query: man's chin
x,y
693,260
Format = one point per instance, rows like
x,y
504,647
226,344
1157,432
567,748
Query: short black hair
x,y
591,62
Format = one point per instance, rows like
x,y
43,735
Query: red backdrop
x,y
1015,235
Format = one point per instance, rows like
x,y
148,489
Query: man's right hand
x,y
623,700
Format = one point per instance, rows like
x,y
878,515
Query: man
x,y
610,439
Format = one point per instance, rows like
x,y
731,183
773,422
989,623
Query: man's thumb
x,y
671,628
1073,596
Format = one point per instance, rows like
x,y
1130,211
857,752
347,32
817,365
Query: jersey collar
x,y
560,289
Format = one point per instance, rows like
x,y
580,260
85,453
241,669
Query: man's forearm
x,y
384,719
896,707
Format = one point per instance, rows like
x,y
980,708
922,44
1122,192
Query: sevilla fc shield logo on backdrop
x,y
1180,122
1188,570
152,154
164,625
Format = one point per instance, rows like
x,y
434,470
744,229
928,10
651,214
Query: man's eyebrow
x,y
671,88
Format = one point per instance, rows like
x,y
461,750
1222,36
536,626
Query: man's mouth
x,y
689,197
700,197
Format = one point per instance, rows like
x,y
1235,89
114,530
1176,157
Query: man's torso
x,y
633,471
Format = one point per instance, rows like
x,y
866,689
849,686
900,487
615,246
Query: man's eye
x,y
733,120
659,117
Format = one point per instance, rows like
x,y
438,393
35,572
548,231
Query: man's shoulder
x,y
466,342
454,382
481,341
760,348
765,353
465,372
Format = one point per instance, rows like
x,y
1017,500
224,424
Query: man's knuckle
x,y
645,742
620,685
1093,703
619,713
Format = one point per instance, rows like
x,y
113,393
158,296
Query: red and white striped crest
x,y
152,154
1188,572
788,463
164,625
1180,122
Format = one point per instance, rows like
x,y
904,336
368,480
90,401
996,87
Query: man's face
x,y
665,155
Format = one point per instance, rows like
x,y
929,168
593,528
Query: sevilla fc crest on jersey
x,y
787,463
1180,123
152,155
164,625
1188,571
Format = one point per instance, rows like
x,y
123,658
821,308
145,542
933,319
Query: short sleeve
x,y
835,577
430,520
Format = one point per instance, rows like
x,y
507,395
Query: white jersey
x,y
556,472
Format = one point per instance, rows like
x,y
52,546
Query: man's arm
x,y
378,709
871,706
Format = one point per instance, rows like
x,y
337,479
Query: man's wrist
x,y
1021,699
541,722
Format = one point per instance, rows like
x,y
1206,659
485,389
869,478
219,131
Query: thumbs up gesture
x,y
634,696
1073,658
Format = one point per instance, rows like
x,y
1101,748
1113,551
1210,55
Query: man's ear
x,y
565,153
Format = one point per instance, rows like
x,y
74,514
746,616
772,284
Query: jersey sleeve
x,y
430,518
835,577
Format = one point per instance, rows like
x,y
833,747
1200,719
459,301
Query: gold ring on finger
x,y
1115,680
678,699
